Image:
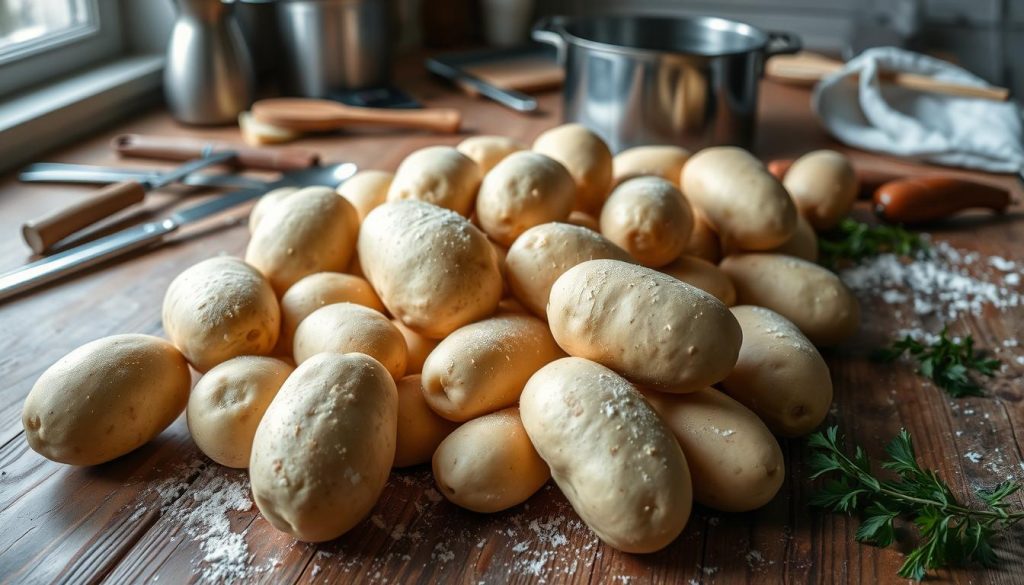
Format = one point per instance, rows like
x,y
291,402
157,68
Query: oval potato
x,y
524,189
347,328
420,429
802,244
704,243
703,275
366,190
649,161
584,220
418,346
267,202
824,186
587,159
488,150
649,218
439,175
319,290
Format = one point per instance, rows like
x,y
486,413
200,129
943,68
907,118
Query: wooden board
x,y
140,518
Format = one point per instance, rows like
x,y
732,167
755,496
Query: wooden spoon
x,y
314,115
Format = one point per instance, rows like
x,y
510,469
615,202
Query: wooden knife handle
x,y
869,180
313,115
182,149
925,199
43,233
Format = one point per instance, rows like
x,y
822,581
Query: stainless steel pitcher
x,y
208,78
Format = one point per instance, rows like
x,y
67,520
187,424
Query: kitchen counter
x,y
166,514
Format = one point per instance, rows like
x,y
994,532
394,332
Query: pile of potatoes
x,y
638,328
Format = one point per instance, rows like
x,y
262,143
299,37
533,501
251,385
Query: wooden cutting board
x,y
528,74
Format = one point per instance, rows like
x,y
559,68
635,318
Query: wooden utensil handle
x,y
43,233
441,120
313,115
181,149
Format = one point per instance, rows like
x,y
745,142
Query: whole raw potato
x,y
319,290
432,269
735,461
584,220
587,159
703,275
482,367
813,298
488,464
824,186
803,243
312,230
347,328
219,309
366,190
106,399
440,175
324,448
779,375
420,429
419,347
267,202
650,327
487,151
649,161
543,253
743,201
228,403
704,243
525,189
613,458
649,218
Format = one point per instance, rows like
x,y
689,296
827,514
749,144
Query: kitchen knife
x,y
511,98
40,234
98,175
152,233
183,148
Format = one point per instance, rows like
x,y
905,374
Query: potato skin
x,y
779,375
311,230
487,150
649,161
319,290
803,243
420,429
543,253
739,197
432,269
488,464
366,190
524,189
418,346
348,327
105,399
703,275
218,309
482,367
267,202
649,218
324,448
228,403
704,243
736,463
440,175
587,159
613,458
584,220
824,186
649,327
813,298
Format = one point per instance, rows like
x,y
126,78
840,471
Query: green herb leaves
x,y
947,362
950,533
853,241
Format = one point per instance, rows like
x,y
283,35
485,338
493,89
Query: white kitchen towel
x,y
964,132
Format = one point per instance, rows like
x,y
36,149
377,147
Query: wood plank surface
x,y
145,517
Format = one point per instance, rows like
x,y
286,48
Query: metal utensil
x,y
511,98
41,234
152,233
48,172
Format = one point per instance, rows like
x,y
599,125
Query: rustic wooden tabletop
x,y
167,514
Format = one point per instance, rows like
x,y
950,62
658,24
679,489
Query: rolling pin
x,y
314,115
181,149
926,199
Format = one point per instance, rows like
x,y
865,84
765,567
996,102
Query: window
x,y
28,26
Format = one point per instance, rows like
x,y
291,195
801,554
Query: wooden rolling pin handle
x,y
926,199
182,149
440,120
315,115
869,180
43,233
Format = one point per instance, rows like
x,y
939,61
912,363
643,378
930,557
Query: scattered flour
x,y
973,456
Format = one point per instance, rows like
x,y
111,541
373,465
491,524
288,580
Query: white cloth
x,y
964,132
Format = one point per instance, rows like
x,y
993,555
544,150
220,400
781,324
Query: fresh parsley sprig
x,y
950,533
947,362
852,241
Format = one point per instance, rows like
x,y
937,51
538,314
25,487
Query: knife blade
x,y
511,98
48,172
151,234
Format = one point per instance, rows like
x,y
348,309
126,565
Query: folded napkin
x,y
955,131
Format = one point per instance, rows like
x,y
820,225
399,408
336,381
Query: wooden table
x,y
142,517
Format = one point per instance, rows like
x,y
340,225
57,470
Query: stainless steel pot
x,y
636,80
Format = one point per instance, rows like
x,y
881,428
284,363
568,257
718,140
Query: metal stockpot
x,y
636,80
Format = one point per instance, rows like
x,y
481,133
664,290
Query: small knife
x,y
511,98
48,172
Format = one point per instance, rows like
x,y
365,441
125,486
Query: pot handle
x,y
547,30
782,43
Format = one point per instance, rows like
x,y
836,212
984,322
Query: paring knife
x,y
152,233
511,98
48,172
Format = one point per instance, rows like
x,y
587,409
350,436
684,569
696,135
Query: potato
x,y
803,243
824,186
539,256
649,218
440,175
219,309
347,328
366,190
488,464
267,202
418,346
525,189
105,399
482,367
703,275
487,151
228,403
779,375
613,458
704,242
584,220
511,305
587,159
813,298
739,197
650,327
324,448
311,230
649,161
318,290
420,430
433,270
737,465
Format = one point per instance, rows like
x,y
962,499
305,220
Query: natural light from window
x,y
26,24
